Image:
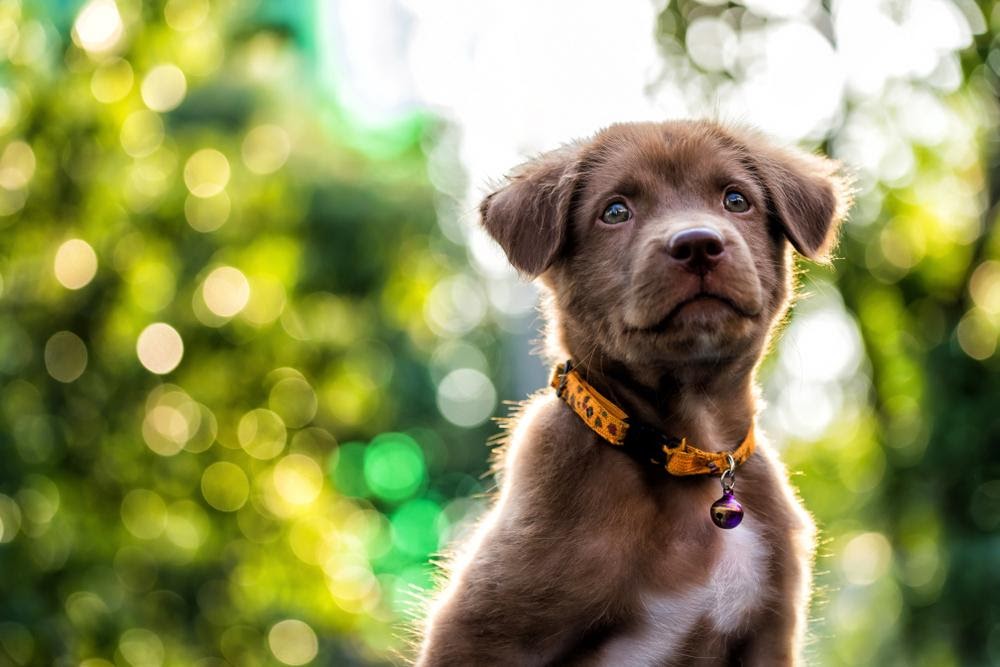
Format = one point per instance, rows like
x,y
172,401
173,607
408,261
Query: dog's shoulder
x,y
545,435
553,465
766,486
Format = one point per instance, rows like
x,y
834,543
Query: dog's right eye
x,y
616,213
735,201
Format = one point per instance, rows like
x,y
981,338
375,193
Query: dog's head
x,y
667,242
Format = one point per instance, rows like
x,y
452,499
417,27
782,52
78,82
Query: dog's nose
x,y
697,249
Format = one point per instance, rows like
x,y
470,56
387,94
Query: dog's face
x,y
667,243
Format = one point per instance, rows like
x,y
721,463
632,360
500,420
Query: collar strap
x,y
615,427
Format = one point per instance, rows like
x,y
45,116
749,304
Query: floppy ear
x,y
808,196
528,216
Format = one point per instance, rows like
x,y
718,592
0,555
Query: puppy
x,y
663,250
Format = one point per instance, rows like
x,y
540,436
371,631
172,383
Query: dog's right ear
x,y
529,215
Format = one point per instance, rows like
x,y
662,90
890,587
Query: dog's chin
x,y
703,311
704,326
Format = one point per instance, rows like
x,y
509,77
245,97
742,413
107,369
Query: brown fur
x,y
581,535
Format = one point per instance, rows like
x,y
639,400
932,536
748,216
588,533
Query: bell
x,y
726,511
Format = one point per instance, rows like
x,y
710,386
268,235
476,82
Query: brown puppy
x,y
663,252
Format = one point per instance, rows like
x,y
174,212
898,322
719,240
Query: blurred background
x,y
251,340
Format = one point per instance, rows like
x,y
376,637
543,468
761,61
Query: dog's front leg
x,y
552,565
777,638
512,603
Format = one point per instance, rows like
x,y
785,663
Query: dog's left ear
x,y
809,196
528,216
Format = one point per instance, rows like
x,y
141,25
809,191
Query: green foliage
x,y
209,279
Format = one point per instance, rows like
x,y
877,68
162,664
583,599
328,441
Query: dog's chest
x,y
723,602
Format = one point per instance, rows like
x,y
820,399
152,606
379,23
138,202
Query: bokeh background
x,y
251,340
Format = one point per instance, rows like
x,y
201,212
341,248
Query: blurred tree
x,y
206,282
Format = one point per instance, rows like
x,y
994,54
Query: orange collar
x,y
611,423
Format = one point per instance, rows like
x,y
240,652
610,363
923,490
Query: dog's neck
x,y
712,407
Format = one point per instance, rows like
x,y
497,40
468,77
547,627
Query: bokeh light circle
x,y
206,214
141,648
98,26
456,305
65,356
262,434
10,519
39,497
298,479
414,527
112,81
293,642
75,264
163,87
712,43
204,435
866,558
206,173
17,165
351,583
226,291
984,287
170,422
294,399
159,348
142,133
466,397
225,486
266,149
12,201
394,466
187,525
185,15
144,513
977,334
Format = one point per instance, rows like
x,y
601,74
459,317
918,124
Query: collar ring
x,y
728,478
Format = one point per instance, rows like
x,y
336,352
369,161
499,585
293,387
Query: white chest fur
x,y
725,600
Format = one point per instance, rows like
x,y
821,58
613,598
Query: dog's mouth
x,y
702,301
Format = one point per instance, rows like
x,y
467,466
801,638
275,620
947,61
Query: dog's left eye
x,y
616,213
735,201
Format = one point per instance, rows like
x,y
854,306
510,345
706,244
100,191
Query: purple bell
x,y
727,511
